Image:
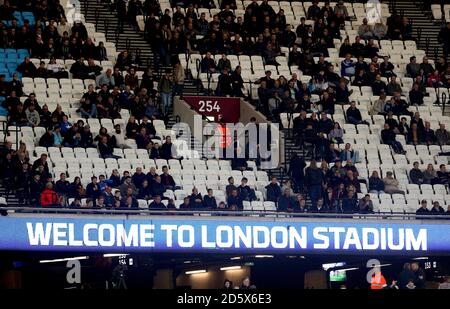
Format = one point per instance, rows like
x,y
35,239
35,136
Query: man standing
x,y
165,90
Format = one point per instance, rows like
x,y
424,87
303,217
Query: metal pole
x,y
444,101
197,64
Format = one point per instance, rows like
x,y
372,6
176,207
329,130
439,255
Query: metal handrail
x,y
96,16
444,101
188,58
237,213
209,76
106,24
198,66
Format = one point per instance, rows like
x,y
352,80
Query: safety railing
x,y
218,213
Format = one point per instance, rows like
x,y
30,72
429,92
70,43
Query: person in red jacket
x,y
49,196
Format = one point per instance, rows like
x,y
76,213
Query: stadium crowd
x,y
261,31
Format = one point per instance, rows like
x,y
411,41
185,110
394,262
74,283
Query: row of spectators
x,y
260,31
106,102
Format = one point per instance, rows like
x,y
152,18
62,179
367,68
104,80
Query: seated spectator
x,y
105,150
417,120
325,123
56,70
412,68
138,178
207,65
288,185
350,202
273,190
247,193
186,203
48,196
380,31
157,187
319,207
415,136
127,184
156,204
391,185
365,30
224,63
437,209
434,80
62,186
352,180
342,93
300,204
347,66
349,154
387,68
378,86
376,184
167,150
426,67
88,108
430,175
416,95
403,127
209,200
365,205
27,68
100,202
361,78
235,201
47,139
143,139
354,115
442,135
416,175
93,189
79,69
167,180
230,187
76,203
393,86
106,79
442,175
195,199
286,201
423,210
129,202
388,138
336,134
32,116
108,197
145,191
429,137
379,105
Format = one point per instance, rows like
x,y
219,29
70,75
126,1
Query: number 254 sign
x,y
208,106
229,108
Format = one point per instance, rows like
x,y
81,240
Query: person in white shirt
x,y
56,69
119,136
64,26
